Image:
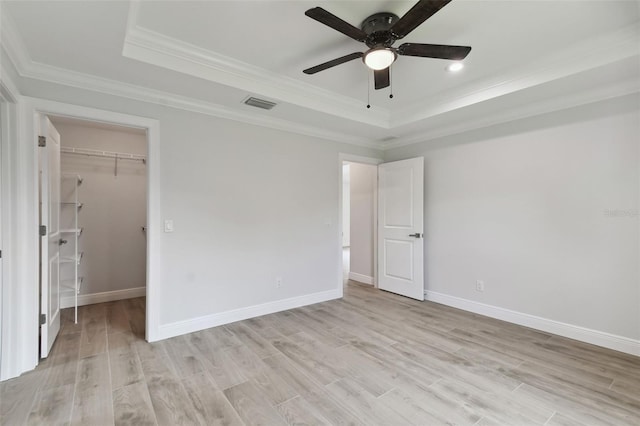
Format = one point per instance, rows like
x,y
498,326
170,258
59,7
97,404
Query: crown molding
x,y
112,87
586,55
27,68
597,94
153,48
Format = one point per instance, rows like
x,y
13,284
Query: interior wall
x,y
363,186
114,207
544,211
346,206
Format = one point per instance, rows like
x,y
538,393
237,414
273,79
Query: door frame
x,y
342,157
32,107
9,297
47,199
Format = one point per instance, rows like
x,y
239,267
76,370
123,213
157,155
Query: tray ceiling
x,y
216,53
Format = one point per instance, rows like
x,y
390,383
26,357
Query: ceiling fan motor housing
x,y
377,29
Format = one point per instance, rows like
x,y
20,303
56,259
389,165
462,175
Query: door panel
x,y
398,198
399,256
400,227
50,243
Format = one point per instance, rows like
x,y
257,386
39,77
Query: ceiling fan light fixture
x,y
379,58
455,67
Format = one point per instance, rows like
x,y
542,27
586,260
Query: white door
x,y
51,240
400,227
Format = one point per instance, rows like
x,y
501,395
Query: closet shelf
x,y
78,178
72,259
79,205
117,156
70,279
77,231
71,284
103,154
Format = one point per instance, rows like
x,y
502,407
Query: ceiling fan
x,y
379,32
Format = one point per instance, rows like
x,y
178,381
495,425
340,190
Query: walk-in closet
x,y
103,187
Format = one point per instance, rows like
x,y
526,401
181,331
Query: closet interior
x,y
103,214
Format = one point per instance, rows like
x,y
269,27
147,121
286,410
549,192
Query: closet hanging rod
x,y
103,154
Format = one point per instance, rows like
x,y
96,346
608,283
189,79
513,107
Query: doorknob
x,y
416,235
61,242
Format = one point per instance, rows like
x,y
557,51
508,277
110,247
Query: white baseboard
x,y
595,337
107,296
364,279
177,328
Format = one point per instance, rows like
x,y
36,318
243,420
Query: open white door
x,y
50,240
400,227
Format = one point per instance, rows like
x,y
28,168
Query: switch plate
x,y
168,225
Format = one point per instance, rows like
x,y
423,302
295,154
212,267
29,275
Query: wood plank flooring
x,y
372,358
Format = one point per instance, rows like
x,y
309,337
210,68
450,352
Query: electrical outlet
x,y
479,285
278,282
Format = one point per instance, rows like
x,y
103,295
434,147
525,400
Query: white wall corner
x,y
12,43
595,337
213,320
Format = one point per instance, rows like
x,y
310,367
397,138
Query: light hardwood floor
x,y
372,358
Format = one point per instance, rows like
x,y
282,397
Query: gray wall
x,y
544,211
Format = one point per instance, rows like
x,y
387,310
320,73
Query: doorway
x,y
388,203
101,220
359,219
21,314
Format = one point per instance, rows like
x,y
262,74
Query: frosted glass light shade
x,y
379,59
455,67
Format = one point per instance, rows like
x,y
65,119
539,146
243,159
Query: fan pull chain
x,y
368,88
390,84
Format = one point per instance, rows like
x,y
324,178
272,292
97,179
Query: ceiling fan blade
x,y
381,78
333,63
439,51
419,13
331,20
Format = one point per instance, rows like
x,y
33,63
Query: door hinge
x,y
43,230
43,319
42,141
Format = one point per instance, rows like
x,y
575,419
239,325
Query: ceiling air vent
x,y
259,103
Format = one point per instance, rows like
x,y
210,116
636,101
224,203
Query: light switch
x,y
168,225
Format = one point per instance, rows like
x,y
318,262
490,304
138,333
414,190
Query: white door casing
x,y
401,227
2,136
50,242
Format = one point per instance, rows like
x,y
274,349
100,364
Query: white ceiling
x,y
528,57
